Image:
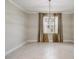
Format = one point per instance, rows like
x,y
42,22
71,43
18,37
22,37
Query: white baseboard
x,y
72,41
15,48
29,41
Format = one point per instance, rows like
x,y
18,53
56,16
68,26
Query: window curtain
x,y
58,37
41,36
44,37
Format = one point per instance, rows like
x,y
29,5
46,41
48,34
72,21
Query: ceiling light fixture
x,y
50,16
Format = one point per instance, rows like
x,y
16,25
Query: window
x,y
50,25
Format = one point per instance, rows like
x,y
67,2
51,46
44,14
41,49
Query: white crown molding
x,y
33,12
16,5
67,12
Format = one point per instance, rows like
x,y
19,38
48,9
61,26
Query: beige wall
x,y
15,27
32,27
68,27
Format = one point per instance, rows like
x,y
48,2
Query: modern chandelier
x,y
50,17
49,9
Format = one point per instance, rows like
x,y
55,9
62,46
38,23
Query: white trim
x,y
15,48
16,5
31,41
72,41
29,11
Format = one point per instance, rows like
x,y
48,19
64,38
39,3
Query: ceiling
x,y
36,6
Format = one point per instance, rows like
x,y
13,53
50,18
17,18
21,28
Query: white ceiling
x,y
42,5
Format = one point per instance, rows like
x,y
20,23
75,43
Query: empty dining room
x,y
39,29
